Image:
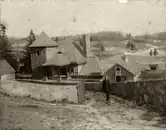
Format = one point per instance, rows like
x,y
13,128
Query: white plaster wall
x,y
79,68
41,91
50,52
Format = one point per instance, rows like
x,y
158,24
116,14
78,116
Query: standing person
x,y
106,88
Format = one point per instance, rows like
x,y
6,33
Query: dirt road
x,y
94,114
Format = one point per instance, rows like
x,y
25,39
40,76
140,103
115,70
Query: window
x,y
153,67
118,78
118,69
37,53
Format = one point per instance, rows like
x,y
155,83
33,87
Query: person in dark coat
x,y
106,88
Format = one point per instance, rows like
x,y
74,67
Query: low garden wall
x,y
46,92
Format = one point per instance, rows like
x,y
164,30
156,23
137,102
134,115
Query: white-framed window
x,y
118,71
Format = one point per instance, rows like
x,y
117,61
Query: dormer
x,y
153,66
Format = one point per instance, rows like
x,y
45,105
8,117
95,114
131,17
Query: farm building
x,y
118,73
135,65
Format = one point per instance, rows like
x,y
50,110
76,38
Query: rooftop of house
x,y
119,65
128,63
148,74
5,68
43,40
59,59
133,64
91,67
75,56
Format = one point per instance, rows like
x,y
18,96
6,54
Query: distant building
x,y
118,73
156,70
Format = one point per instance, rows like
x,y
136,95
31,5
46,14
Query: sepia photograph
x,y
82,64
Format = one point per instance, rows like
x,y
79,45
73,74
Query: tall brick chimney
x,y
87,48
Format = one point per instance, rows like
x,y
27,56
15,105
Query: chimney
x,y
87,50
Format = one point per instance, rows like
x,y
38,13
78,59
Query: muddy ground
x,y
95,114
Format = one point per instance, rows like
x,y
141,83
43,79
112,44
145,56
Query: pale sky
x,y
65,17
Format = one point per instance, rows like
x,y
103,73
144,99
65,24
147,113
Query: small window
x,y
38,53
153,68
118,78
118,69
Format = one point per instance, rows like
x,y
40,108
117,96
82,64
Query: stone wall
x,y
46,92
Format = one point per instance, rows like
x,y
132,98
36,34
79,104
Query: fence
x,y
151,92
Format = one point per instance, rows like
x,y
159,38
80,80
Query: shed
x,y
118,73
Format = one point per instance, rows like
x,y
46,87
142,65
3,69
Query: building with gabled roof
x,y
42,49
43,40
118,73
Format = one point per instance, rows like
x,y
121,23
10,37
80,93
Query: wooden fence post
x,y
81,91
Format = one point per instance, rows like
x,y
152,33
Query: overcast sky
x,y
65,17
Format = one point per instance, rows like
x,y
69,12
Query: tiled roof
x,y
43,40
120,65
130,64
67,46
59,59
5,68
91,67
152,74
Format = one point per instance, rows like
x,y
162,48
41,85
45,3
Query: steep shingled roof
x,y
130,64
58,59
146,74
91,67
43,40
67,46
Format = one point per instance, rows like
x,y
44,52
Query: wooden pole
x,y
59,78
67,71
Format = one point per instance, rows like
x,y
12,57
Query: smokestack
x,y
88,52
